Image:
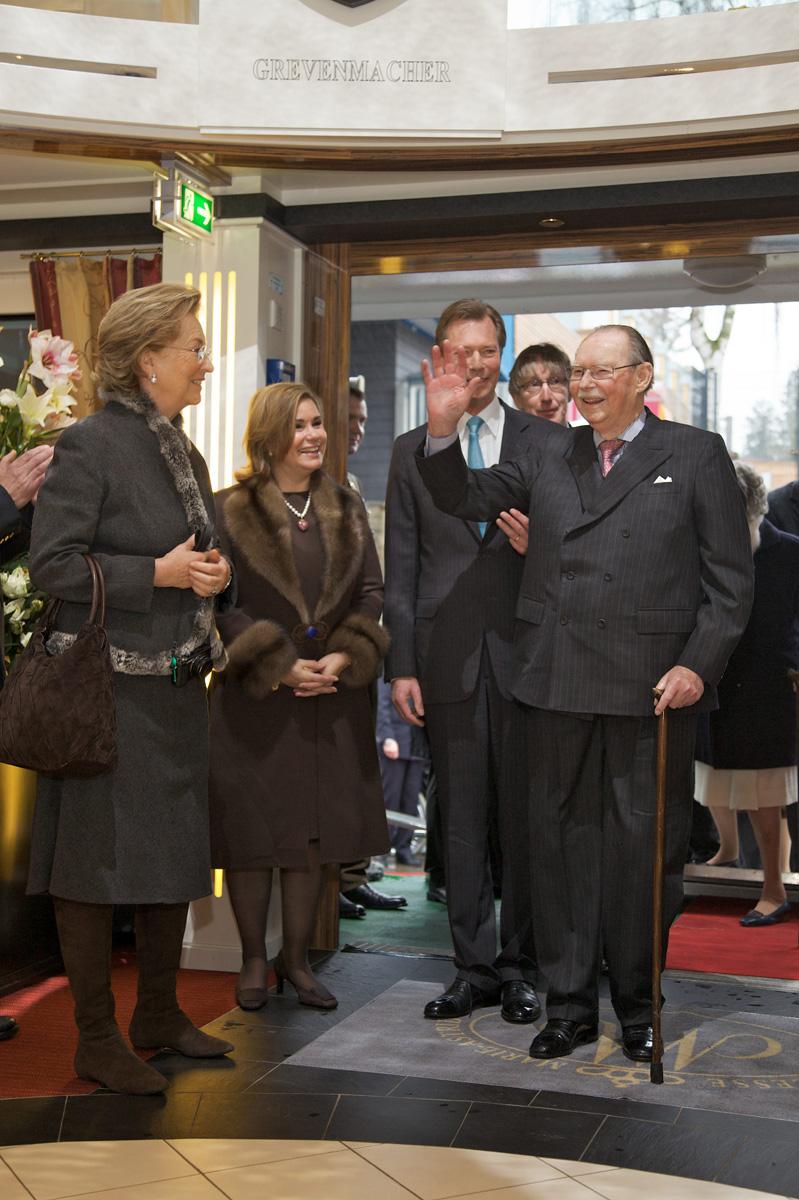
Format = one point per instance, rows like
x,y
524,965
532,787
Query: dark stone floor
x,y
256,1094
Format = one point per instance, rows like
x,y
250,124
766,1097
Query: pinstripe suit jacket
x,y
447,591
624,577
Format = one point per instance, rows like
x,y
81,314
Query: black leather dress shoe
x,y
348,908
458,1001
369,898
520,1003
437,894
559,1037
636,1042
8,1027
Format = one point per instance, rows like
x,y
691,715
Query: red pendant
x,y
302,524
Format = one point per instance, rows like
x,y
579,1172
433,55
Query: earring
x,y
153,378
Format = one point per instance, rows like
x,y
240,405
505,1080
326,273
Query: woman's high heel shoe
x,y
251,998
315,997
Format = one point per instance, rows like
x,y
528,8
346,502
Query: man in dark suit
x,y
783,508
783,512
451,589
20,480
638,576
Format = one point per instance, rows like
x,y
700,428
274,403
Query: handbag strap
x,y
96,612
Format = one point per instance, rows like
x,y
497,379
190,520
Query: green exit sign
x,y
196,208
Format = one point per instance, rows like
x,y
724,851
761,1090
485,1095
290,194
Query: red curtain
x,y
45,295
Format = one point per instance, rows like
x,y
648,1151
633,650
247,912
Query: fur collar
x,y
256,508
174,447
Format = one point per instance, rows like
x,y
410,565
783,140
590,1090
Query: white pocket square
x,y
664,479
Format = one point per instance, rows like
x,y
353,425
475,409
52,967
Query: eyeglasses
x,y
598,373
534,386
202,352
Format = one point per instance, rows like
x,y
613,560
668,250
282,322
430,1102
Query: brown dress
x,y
286,770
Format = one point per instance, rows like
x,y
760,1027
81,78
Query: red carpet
x,y
707,937
38,1061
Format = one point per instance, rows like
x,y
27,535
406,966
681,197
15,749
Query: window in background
x,y
180,12
13,347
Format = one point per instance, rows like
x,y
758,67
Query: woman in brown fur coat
x,y
295,781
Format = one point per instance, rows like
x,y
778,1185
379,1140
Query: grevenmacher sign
x,y
295,67
352,70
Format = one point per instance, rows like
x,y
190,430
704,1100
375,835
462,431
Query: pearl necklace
x,y
302,524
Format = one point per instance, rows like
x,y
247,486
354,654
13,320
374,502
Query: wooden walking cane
x,y
656,1066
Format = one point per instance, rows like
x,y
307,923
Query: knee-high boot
x,y
158,1020
84,931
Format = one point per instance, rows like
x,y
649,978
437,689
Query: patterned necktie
x,y
474,455
607,450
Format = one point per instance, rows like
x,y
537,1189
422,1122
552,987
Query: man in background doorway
x,y
358,416
539,382
356,893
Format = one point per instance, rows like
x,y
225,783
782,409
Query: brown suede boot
x,y
84,931
158,1022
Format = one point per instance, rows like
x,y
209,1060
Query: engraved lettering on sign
x,y
352,70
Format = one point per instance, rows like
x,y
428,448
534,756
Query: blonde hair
x,y
270,426
142,319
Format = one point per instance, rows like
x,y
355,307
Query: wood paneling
x,y
527,155
326,343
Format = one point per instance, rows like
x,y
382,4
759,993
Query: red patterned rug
x,y
707,937
38,1061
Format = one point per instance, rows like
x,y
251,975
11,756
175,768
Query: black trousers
x,y
478,752
402,783
592,805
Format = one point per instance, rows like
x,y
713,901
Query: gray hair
x,y
754,490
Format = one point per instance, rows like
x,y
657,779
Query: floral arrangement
x,y
43,399
33,413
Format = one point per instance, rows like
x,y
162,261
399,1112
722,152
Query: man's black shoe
x,y
458,1001
520,1003
347,908
559,1037
437,894
369,898
8,1027
636,1042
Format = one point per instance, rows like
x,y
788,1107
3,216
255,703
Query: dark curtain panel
x,y
45,295
146,270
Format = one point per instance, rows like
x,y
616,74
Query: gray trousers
x,y
592,805
478,752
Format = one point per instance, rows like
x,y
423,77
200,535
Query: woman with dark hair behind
x,y
747,750
127,486
295,781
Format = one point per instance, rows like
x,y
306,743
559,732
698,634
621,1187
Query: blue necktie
x,y
474,456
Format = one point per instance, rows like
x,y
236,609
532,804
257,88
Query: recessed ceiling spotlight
x,y
551,222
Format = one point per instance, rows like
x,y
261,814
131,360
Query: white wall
x,y
206,83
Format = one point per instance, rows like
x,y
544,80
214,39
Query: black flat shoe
x,y
520,1003
458,1001
636,1042
559,1037
753,917
347,908
369,898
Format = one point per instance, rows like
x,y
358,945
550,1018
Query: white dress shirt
x,y
490,435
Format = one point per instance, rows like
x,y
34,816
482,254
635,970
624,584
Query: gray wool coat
x,y
127,485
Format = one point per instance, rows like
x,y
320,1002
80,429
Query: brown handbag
x,y
58,711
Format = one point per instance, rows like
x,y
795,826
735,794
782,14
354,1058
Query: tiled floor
x,y
427,1138
243,1169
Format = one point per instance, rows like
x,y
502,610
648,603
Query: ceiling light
x,y
551,222
725,274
